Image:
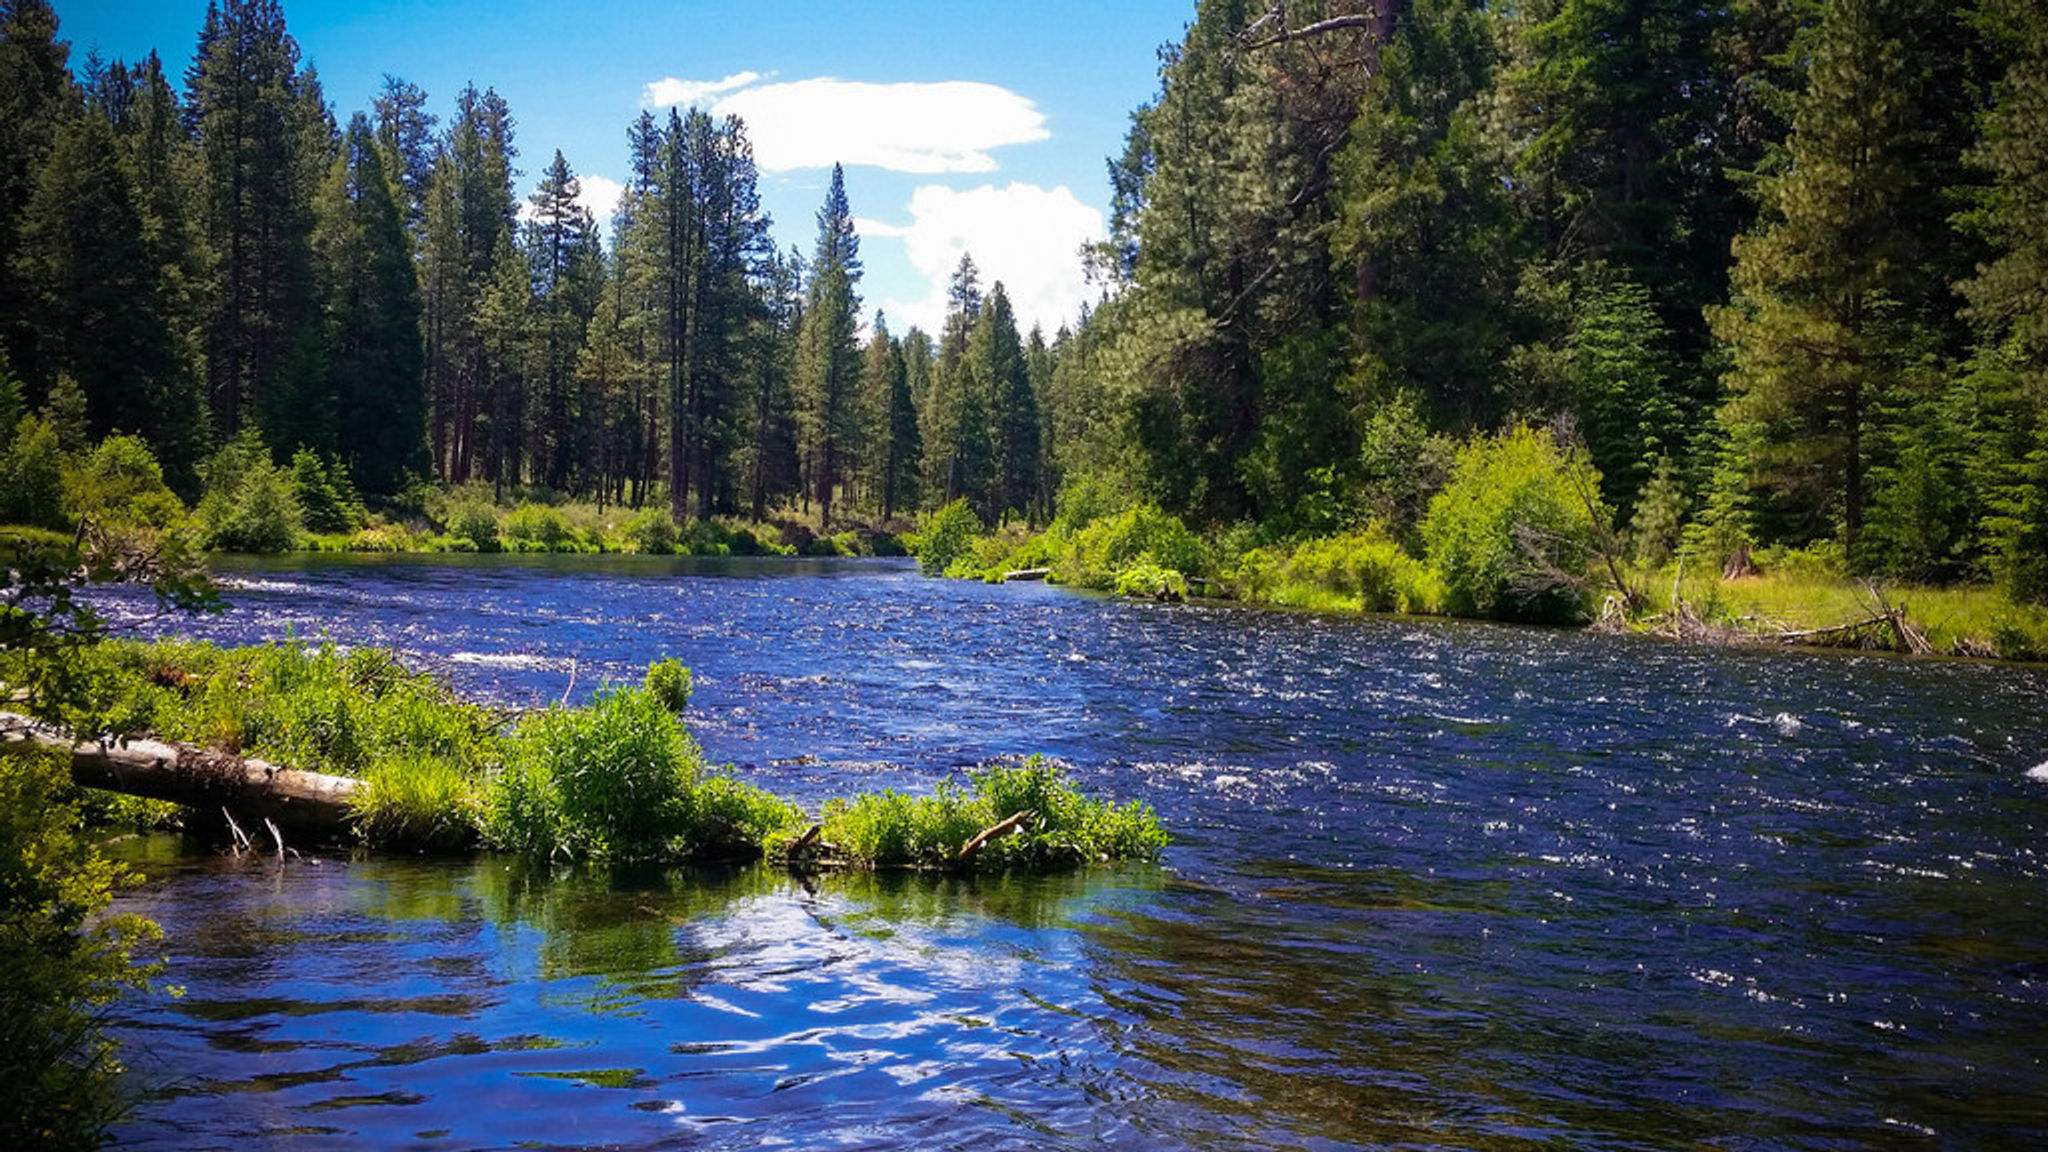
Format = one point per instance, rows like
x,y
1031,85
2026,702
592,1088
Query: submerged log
x,y
206,780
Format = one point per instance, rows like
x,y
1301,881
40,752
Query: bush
x,y
327,498
538,527
121,484
945,536
32,476
248,505
669,682
651,532
1064,830
476,524
1510,534
1363,571
1143,535
63,961
622,779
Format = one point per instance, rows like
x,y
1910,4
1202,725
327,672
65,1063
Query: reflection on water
x,y
377,1002
1434,886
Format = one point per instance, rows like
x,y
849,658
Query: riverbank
x,y
1782,597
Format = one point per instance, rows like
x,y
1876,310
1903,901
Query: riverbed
x,y
1433,885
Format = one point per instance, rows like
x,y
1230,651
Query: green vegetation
x,y
64,961
620,779
1055,826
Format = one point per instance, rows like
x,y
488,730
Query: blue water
x,y
1435,885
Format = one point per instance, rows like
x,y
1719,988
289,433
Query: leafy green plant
x,y
476,524
538,527
1032,814
945,536
651,532
64,961
248,505
327,498
1511,533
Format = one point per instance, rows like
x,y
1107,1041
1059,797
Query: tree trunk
x,y
254,790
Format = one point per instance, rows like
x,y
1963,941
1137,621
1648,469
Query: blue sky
x,y
964,124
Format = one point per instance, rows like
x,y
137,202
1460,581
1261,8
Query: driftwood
x,y
991,834
1027,574
310,802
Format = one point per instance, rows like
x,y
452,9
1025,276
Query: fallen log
x,y
1026,574
307,802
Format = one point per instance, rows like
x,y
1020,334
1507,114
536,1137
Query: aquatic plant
x,y
623,779
1019,815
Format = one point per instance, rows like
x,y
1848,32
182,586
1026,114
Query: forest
x,y
1772,274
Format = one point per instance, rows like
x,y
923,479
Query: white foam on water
x,y
501,660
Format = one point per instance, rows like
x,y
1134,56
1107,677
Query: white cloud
x,y
670,90
601,195
1026,236
923,129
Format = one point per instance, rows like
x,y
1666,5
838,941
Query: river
x,y
1433,885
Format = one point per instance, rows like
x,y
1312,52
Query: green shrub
x,y
1065,829
32,476
1510,533
669,682
63,961
120,483
621,779
327,498
476,524
540,527
419,800
945,536
1364,571
248,505
1140,535
651,532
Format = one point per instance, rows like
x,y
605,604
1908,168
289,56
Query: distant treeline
x,y
1782,267
190,263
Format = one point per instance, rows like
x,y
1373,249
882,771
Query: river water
x,y
1433,885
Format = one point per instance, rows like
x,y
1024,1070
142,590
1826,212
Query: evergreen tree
x,y
953,422
828,359
1003,376
405,139
375,361
2008,302
253,111
566,270
1842,285
34,99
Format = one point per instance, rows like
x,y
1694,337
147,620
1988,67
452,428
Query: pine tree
x,y
998,363
405,137
248,103
828,359
34,99
1842,285
375,361
567,270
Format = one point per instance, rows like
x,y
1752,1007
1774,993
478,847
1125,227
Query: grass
x,y
620,779
1051,826
1958,620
